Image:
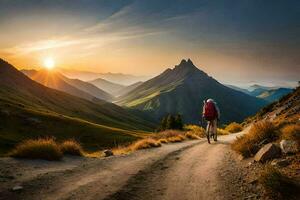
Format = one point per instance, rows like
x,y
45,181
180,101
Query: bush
x,y
46,149
71,147
171,122
191,135
196,130
222,132
259,134
234,127
291,132
178,138
145,144
277,185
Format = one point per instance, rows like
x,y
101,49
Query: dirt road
x,y
189,170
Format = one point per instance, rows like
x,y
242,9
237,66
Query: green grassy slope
x,y
62,115
183,89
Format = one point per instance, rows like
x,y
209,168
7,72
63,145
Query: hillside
x,y
75,87
269,94
30,109
288,107
110,87
129,88
183,89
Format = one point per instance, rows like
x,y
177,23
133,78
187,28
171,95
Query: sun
x,y
49,63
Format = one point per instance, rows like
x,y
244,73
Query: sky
x,y
235,41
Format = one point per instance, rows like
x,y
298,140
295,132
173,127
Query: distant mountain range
x,y
75,87
183,89
269,94
29,110
114,88
119,78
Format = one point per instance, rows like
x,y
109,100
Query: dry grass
x,y
277,185
191,135
145,144
259,134
195,130
291,132
71,147
163,141
222,132
234,127
46,149
178,138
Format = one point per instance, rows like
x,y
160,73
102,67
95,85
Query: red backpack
x,y
210,111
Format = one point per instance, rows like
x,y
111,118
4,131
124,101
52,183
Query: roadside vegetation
x,y
234,127
46,148
260,133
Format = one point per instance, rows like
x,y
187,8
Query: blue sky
x,y
235,41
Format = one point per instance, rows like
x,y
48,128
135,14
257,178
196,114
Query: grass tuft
x,y
46,149
145,144
195,130
234,127
71,147
291,132
259,134
191,135
222,132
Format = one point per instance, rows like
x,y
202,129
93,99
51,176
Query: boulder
x,y
108,153
17,188
267,152
289,146
280,162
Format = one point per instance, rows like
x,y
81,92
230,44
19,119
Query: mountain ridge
x,y
183,89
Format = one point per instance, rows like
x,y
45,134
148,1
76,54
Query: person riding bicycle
x,y
211,113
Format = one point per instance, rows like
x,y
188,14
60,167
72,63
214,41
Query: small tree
x,y
163,124
178,122
170,122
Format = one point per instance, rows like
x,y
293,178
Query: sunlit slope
x,y
19,94
183,89
74,87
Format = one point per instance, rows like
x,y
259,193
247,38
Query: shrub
x,y
291,132
171,122
178,138
191,135
259,134
222,132
46,149
71,147
234,127
276,184
145,144
196,130
163,140
167,134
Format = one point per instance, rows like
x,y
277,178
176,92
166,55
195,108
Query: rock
x,y
280,162
267,152
240,157
108,153
17,188
289,146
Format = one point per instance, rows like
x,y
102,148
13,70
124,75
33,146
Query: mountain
x,y
75,87
239,89
285,111
274,94
183,89
112,88
269,94
129,88
123,79
29,110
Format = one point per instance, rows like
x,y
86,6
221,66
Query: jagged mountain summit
x,y
183,89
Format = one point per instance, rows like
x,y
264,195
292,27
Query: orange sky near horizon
x,y
227,41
